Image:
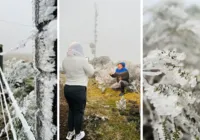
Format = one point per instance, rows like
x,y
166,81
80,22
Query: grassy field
x,y
118,125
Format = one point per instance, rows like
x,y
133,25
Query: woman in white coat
x,y
77,70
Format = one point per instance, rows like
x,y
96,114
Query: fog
x,y
15,23
118,27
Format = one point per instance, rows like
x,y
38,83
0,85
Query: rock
x,y
95,117
106,106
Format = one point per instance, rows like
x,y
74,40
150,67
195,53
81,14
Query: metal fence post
x,y
1,56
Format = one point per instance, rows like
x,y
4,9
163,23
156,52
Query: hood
x,y
123,64
75,49
123,69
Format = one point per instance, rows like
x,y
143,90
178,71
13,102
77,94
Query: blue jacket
x,y
123,73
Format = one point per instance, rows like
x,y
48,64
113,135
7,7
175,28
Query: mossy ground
x,y
121,125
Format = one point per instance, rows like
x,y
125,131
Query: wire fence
x,y
5,88
40,131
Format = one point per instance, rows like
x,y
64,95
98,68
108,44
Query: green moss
x,y
29,84
121,124
166,133
176,135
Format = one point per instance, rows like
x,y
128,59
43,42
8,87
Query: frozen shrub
x,y
17,71
171,25
171,85
102,75
20,77
121,104
171,102
99,62
104,66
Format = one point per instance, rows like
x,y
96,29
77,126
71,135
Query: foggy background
x,y
15,24
152,2
118,27
149,3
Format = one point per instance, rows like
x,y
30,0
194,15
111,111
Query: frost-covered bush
x,y
172,101
134,75
171,24
171,83
20,77
99,62
16,71
104,66
121,104
102,75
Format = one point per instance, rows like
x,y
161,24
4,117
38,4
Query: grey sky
x,y
13,12
118,27
151,2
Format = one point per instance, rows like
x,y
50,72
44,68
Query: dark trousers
x,y
122,89
120,85
76,99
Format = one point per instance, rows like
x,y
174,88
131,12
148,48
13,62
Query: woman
x,y
77,70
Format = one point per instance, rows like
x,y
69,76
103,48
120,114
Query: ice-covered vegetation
x,y
171,71
33,84
20,78
103,66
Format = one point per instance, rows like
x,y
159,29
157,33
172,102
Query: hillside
x,y
18,56
103,121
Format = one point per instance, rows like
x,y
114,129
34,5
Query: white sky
x,y
13,12
118,27
147,3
